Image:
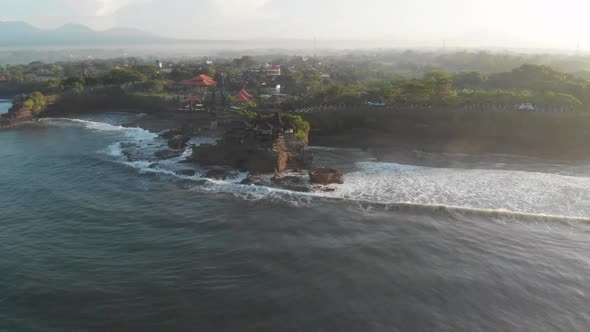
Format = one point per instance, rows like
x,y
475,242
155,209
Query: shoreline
x,y
384,146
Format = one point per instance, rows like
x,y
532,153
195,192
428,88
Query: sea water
x,y
96,235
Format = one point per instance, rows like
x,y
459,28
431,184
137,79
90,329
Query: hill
x,y
23,34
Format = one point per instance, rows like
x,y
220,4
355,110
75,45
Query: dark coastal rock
x,y
325,189
325,176
171,133
178,142
219,174
251,151
133,155
291,182
167,154
186,172
251,180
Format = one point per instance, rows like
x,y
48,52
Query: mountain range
x,y
23,34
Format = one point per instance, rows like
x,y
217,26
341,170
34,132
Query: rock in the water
x,y
291,182
167,154
326,189
178,142
325,176
252,180
186,172
251,151
219,174
133,155
171,133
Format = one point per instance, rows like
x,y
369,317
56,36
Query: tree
x,y
54,85
122,76
469,79
440,84
245,62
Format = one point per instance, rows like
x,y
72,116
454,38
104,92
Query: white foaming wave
x,y
497,190
255,192
114,150
133,133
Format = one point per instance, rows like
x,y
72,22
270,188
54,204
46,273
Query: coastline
x,y
385,145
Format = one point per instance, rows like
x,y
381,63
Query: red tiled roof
x,y
244,96
201,80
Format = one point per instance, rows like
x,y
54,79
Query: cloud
x,y
98,7
240,8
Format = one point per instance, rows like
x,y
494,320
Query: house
x,y
272,70
199,81
244,96
270,89
203,85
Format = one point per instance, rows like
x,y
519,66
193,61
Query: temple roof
x,y
201,80
244,96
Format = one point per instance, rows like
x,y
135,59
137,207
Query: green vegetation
x,y
286,121
33,102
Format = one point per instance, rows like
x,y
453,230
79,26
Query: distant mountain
x,y
23,34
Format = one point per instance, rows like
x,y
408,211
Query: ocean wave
x,y
506,192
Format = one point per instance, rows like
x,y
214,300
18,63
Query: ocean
x,y
93,241
5,105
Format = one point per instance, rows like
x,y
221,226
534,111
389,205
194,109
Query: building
x,y
272,70
201,83
272,89
244,96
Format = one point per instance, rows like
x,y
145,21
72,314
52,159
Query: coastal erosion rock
x,y
252,151
178,142
167,154
325,176
171,133
291,182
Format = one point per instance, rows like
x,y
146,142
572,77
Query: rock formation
x,y
178,142
325,176
254,151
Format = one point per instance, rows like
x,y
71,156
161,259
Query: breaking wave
x,y
509,193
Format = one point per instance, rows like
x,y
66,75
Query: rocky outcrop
x,y
186,172
219,174
252,151
178,142
325,176
291,182
167,154
171,133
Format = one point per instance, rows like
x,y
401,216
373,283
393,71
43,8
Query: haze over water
x,y
92,242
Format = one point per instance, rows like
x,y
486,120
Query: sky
x,y
514,23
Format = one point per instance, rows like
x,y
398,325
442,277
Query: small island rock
x,y
325,176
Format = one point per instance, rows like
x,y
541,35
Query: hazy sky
x,y
543,23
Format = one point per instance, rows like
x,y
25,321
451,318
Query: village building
x,y
244,96
201,87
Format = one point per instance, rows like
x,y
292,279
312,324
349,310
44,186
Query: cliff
x,y
26,107
256,151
